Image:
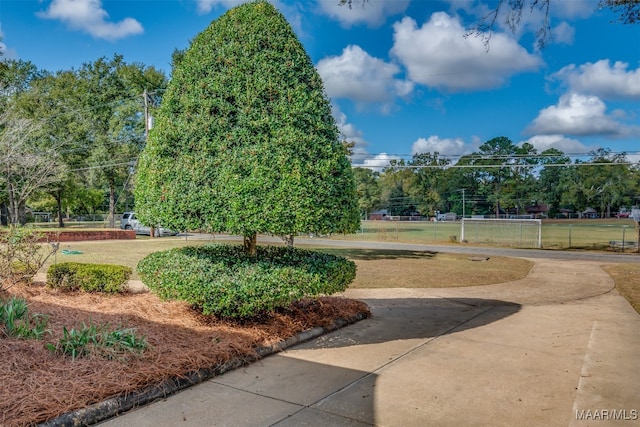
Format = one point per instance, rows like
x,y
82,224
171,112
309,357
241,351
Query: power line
x,y
500,166
103,166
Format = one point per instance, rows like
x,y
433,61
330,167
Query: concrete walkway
x,y
559,348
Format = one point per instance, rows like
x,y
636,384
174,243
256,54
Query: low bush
x,y
222,280
88,277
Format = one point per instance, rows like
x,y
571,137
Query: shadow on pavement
x,y
418,318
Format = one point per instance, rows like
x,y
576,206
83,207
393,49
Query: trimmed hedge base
x,y
222,280
73,276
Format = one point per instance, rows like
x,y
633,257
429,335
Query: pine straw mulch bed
x,y
38,385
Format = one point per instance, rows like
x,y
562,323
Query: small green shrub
x,y
88,277
100,340
222,280
16,321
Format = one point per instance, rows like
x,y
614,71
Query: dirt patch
x,y
38,385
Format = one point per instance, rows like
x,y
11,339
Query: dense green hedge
x,y
224,281
88,277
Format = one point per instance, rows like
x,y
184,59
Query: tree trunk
x,y
251,245
112,203
58,197
288,240
14,214
4,215
22,213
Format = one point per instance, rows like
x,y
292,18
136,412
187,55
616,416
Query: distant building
x,y
589,213
379,215
537,211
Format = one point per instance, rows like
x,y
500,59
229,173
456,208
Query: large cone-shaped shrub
x,y
244,140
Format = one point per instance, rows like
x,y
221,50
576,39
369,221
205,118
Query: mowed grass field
x,y
556,234
376,268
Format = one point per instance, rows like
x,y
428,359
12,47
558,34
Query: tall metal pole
x,y
463,203
152,229
146,114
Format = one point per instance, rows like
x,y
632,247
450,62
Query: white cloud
x,y
371,12
444,146
602,79
205,6
90,17
360,77
577,114
563,33
379,161
6,52
573,8
351,133
439,56
559,142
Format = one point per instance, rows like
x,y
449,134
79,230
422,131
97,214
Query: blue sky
x,y
400,74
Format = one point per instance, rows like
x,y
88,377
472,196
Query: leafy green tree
x,y
244,140
428,173
601,182
504,172
458,181
368,190
396,182
29,160
113,109
548,185
54,101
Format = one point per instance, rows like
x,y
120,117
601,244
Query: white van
x,y
130,222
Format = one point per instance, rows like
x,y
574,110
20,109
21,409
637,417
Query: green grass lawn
x,y
592,234
120,252
376,268
556,234
380,268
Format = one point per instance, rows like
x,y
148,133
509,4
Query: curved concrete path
x,y
558,348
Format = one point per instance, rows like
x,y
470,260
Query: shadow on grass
x,y
374,254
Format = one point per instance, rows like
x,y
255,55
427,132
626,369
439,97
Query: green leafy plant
x,y
98,339
22,254
245,140
16,321
88,277
223,280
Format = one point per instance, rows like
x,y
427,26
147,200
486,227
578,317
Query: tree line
x,y
69,140
501,178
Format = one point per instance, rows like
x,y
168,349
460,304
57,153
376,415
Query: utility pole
x,y
463,203
145,96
